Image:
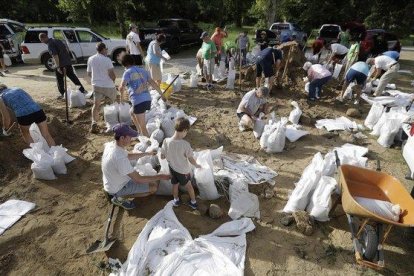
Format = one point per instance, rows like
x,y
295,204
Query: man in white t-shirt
x,y
383,63
251,105
120,180
101,71
338,53
133,46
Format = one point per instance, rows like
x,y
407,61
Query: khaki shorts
x,y
209,66
155,71
99,93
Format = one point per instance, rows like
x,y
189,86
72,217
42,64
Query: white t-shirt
x,y
99,65
115,167
251,102
384,62
132,41
177,153
339,49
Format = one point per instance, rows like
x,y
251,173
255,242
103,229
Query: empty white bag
x,y
242,202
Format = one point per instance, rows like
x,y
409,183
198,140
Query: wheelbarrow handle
x,y
170,84
378,165
337,161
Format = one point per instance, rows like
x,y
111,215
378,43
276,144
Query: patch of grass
x,y
407,41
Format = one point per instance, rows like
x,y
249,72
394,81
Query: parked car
x,y
377,41
81,43
290,31
329,33
11,35
178,32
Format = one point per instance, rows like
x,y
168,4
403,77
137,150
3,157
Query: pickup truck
x,y
178,32
11,35
288,31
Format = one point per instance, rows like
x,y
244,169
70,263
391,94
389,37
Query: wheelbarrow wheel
x,y
369,242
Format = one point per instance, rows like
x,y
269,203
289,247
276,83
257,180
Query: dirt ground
x,y
71,211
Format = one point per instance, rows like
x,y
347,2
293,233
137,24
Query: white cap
x,y
307,65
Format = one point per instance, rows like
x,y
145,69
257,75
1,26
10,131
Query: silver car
x,y
286,31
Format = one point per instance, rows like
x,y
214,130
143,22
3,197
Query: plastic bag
x,y
231,77
293,134
381,208
154,146
337,70
145,169
388,132
37,137
295,114
242,202
144,143
193,80
62,151
222,70
151,127
374,115
321,202
177,85
204,177
165,169
158,135
7,60
42,162
216,76
277,139
258,128
111,116
168,126
76,99
307,87
198,70
58,165
42,172
124,115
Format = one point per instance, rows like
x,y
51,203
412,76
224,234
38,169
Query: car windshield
x,y
329,31
99,34
167,23
280,27
4,32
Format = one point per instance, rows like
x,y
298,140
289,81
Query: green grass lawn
x,y
408,41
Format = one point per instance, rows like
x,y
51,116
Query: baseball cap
x,y
307,65
124,130
204,34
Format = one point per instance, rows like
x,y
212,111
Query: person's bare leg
x,y
271,81
175,191
258,79
141,123
24,130
3,64
45,133
344,86
134,120
95,110
247,122
358,90
190,191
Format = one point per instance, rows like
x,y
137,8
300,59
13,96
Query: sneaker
x,y
193,206
356,102
94,128
176,203
126,204
88,95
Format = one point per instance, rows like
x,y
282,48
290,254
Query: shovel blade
x,y
100,246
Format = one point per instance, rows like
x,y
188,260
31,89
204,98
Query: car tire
x,y
116,54
175,46
48,61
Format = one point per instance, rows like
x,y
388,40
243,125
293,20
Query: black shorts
x,y
35,117
142,107
265,67
179,178
137,59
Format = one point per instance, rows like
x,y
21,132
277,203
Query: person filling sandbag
x,y
318,77
357,73
268,60
251,105
27,112
338,53
179,155
119,177
387,64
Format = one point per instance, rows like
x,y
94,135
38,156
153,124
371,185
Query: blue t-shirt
x,y
136,79
361,66
392,54
266,55
152,56
19,101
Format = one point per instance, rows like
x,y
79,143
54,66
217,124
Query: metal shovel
x,y
105,245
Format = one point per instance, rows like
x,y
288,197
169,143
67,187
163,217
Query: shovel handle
x,y
378,165
337,161
170,84
108,223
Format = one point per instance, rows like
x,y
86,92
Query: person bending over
x,y
251,105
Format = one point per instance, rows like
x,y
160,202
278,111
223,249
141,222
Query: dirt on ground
x,y
71,211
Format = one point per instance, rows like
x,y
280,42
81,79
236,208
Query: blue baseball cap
x,y
124,130
203,35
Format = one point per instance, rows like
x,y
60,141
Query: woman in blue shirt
x,y
155,57
138,81
26,110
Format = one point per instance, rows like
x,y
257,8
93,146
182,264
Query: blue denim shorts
x,y
355,75
132,188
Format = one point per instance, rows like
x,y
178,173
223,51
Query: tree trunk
x,y
271,12
120,15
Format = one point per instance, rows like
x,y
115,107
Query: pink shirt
x,y
317,71
218,39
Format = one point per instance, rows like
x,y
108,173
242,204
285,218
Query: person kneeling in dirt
x,y
27,112
119,177
179,155
101,72
265,63
318,76
359,73
251,105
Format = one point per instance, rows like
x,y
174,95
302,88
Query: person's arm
x,y
376,74
122,89
193,162
137,178
135,156
111,74
5,115
157,51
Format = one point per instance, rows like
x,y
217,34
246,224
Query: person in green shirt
x,y
209,51
344,38
352,55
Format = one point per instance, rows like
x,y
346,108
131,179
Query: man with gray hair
x,y
251,105
133,46
387,64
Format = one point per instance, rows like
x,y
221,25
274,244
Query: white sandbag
x,y
168,126
158,135
277,139
300,196
348,91
6,59
204,177
376,130
111,116
268,129
293,134
165,169
42,172
216,75
231,77
198,70
337,70
124,113
231,64
388,132
242,202
143,160
58,165
164,188
258,128
144,143
63,152
374,115
154,146
42,162
307,87
295,114
145,169
152,126
36,153
321,202
193,80
76,99
222,69
381,208
177,85
37,137
180,114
